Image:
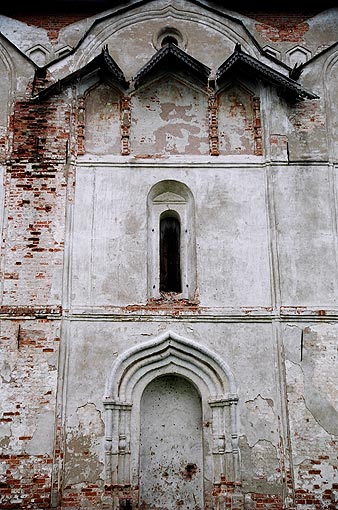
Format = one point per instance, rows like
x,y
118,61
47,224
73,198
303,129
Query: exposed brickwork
x,y
213,125
52,23
35,202
306,116
44,138
264,501
257,127
34,256
33,240
283,32
125,125
29,353
318,492
41,132
230,496
82,496
26,483
282,19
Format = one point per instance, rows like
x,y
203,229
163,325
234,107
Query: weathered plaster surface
x,y
250,346
169,118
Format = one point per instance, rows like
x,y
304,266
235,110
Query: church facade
x,y
169,283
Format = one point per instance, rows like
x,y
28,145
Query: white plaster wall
x,y
109,250
312,384
260,231
233,235
248,349
306,235
170,442
109,238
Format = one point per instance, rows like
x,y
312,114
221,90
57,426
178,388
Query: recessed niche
x,y
38,54
298,55
169,35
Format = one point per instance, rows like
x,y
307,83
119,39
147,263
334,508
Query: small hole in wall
x,y
125,504
169,39
190,471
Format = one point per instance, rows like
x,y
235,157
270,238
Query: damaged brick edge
x,y
30,312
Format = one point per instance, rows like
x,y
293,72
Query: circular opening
x,y
168,35
169,39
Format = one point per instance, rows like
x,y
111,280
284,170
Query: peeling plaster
x,y
80,466
320,346
6,373
84,444
259,473
43,435
260,420
90,420
5,436
243,207
317,354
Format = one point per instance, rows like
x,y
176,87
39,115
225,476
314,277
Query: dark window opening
x,y
169,39
170,260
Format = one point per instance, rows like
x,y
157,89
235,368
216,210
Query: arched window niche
x,y
170,252
171,241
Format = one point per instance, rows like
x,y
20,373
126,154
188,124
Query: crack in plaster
x,y
324,414
266,399
317,404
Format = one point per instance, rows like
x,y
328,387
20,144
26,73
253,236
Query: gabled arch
x,y
127,16
134,369
241,61
101,68
171,58
169,348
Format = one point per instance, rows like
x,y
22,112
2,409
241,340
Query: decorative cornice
x,y
246,63
171,57
102,63
111,68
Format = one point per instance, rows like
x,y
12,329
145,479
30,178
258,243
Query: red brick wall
x,y
32,261
35,197
29,360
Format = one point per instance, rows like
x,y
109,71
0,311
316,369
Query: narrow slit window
x,y
170,256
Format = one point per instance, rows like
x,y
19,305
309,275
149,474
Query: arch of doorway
x,y
133,370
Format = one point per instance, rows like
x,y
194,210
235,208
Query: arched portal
x,y
205,388
171,445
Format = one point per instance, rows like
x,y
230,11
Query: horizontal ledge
x,y
191,160
177,312
198,162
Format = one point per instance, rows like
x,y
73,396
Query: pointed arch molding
x,y
134,369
